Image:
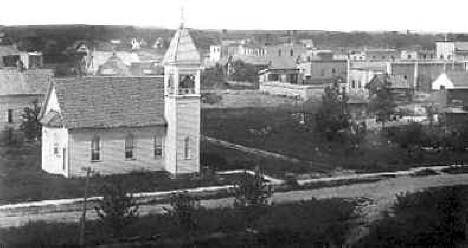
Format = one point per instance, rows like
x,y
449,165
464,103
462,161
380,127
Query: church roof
x,y
27,82
107,102
182,49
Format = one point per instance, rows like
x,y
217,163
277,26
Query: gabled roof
x,y
106,102
459,79
114,66
27,82
182,49
390,81
283,62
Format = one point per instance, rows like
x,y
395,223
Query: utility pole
x,y
89,172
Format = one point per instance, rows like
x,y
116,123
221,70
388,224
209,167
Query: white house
x,y
451,80
123,124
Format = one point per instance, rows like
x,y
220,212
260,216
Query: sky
x,y
342,15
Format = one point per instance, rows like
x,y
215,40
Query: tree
x,y
31,126
243,72
117,209
252,191
332,116
382,103
251,196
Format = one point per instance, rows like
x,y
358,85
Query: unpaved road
x,y
381,193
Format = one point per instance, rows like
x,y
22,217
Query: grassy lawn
x,y
277,130
21,179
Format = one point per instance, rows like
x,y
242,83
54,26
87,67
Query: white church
x,y
124,124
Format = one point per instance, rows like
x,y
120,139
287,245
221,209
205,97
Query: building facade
x,y
123,124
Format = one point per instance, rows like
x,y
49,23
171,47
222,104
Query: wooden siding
x,y
112,155
183,117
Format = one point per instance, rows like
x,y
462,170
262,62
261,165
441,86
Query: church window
x,y
129,147
10,115
96,148
187,148
158,147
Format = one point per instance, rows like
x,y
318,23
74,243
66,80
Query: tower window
x,y
96,148
187,148
158,147
129,147
187,84
10,116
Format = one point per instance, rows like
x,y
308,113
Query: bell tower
x,y
182,69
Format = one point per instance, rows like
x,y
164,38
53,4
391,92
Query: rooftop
x,y
27,82
106,102
182,49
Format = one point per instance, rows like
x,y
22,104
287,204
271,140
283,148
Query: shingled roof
x,y
182,50
28,82
106,102
459,79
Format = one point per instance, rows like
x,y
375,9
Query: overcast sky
x,y
347,15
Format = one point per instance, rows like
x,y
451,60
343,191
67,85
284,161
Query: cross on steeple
x,y
182,19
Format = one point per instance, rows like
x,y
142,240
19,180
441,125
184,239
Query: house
x,y
359,78
322,71
451,80
374,55
452,50
19,89
450,95
122,124
398,86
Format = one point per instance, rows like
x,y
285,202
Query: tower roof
x,y
182,50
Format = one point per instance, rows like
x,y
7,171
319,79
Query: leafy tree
x,y
332,116
434,218
31,126
382,103
117,209
252,190
243,72
356,134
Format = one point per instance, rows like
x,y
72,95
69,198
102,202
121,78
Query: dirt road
x,y
381,194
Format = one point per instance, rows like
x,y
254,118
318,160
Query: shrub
x,y
117,209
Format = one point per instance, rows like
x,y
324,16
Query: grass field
x,y
277,130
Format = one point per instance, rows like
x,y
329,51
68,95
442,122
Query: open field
x,y
278,130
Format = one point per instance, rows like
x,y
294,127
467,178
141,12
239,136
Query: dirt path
x,y
259,152
381,194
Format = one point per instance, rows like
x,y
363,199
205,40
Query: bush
x,y
117,209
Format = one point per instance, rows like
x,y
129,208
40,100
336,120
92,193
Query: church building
x,y
123,124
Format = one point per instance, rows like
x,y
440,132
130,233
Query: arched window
x,y
291,52
96,148
353,84
129,147
187,148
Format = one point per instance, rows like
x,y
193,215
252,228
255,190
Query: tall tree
x,y
381,102
117,209
332,116
31,126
